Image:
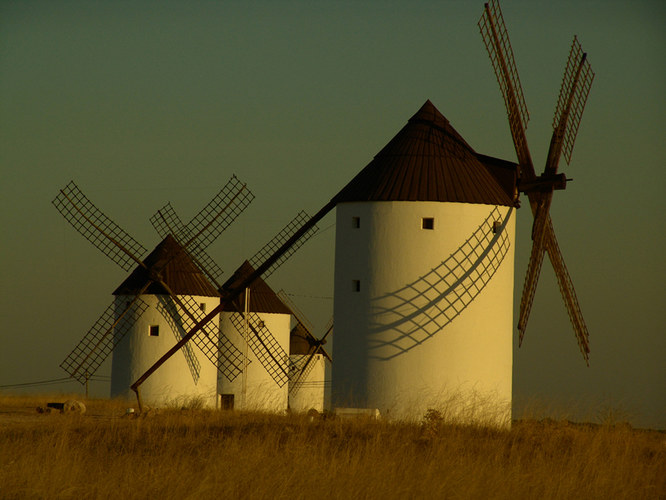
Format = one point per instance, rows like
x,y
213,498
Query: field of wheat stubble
x,y
193,453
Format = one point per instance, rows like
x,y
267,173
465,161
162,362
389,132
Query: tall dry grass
x,y
186,453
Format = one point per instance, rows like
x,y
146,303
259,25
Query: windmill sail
x,y
265,347
575,88
279,240
97,228
100,340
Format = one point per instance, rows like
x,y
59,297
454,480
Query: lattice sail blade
x,y
101,339
534,265
279,239
207,265
97,228
296,312
179,326
230,358
210,340
299,372
265,347
166,221
568,292
575,88
496,39
218,215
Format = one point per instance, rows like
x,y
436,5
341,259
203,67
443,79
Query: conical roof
x,y
262,297
429,161
176,269
299,340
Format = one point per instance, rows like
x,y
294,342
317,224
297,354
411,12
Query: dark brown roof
x,y
428,161
299,340
262,297
177,270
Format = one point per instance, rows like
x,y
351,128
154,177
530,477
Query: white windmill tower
x,y
309,363
424,256
183,379
261,332
424,275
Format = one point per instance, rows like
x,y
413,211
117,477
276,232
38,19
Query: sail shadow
x,y
419,310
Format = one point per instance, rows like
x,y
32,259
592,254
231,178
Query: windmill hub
x,y
544,183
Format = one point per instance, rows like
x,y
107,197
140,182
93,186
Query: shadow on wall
x,y
167,308
422,308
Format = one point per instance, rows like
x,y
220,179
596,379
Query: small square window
x,y
496,226
202,306
356,222
356,285
154,331
428,223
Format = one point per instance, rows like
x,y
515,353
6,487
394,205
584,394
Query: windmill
x,y
576,84
307,361
423,299
160,286
425,238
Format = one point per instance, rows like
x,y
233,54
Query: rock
x,y
73,406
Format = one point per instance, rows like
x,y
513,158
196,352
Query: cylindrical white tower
x,y
188,377
308,389
423,308
262,384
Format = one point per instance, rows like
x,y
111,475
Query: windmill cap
x,y
175,267
428,160
262,297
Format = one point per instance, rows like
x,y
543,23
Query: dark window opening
x,y
356,285
356,222
227,401
428,223
154,331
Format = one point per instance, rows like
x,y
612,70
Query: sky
x,y
141,103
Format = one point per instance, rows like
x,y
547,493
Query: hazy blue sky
x,y
147,102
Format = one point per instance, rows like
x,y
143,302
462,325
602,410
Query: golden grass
x,y
201,454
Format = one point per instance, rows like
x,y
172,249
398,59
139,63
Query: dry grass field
x,y
190,453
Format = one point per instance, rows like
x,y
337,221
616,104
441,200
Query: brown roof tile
x,y
262,297
178,271
428,161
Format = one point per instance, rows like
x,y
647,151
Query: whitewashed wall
x,y
309,390
388,354
261,392
174,382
